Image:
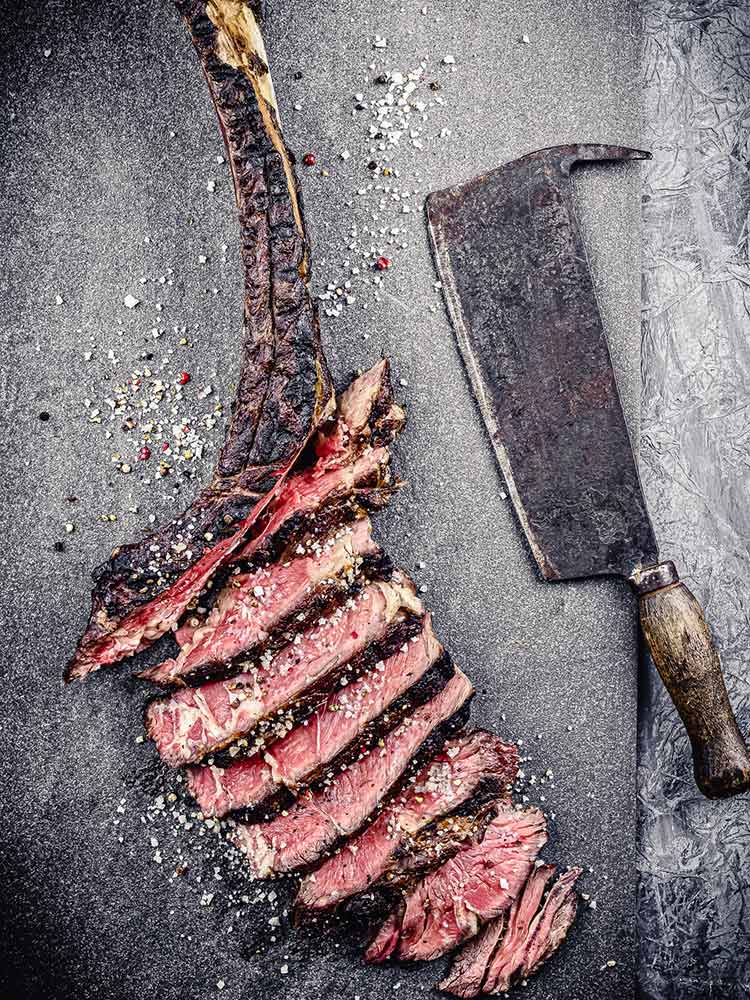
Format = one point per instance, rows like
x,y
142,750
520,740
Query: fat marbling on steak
x,y
301,835
284,388
479,883
292,760
252,604
196,721
508,950
443,784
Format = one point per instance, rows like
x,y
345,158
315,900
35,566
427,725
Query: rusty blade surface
x,y
519,291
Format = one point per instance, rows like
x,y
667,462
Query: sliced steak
x,y
197,721
481,958
320,818
448,780
547,932
253,604
349,455
449,905
507,959
284,389
292,760
470,964
498,957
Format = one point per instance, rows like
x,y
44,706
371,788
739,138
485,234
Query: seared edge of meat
x,y
449,779
321,818
195,721
348,457
284,390
344,716
252,605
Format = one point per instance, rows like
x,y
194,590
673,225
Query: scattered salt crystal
x,y
130,301
449,60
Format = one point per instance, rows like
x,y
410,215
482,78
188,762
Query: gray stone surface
x,y
90,170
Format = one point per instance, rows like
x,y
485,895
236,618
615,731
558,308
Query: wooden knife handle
x,y
684,653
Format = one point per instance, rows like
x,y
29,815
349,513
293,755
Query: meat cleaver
x,y
520,295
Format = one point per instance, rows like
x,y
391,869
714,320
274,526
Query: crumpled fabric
x,y
694,854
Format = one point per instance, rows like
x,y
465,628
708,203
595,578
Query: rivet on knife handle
x,y
683,650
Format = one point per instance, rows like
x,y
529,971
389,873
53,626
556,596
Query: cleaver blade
x,y
519,293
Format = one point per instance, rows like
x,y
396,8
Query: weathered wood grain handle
x,y
684,653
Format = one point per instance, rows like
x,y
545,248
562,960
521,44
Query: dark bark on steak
x,y
253,604
429,849
284,388
372,697
196,721
281,797
446,782
450,905
324,816
506,951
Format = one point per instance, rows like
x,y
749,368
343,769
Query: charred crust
x,y
428,749
284,384
312,698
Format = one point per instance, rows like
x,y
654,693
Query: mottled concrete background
x,y
90,169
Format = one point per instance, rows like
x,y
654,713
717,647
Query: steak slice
x,y
284,389
292,760
253,604
447,781
196,721
349,454
533,934
320,818
470,964
480,882
480,959
551,925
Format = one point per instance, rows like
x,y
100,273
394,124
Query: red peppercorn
x,y
183,378
309,159
382,263
145,453
165,446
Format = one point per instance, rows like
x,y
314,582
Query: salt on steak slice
x,y
498,957
321,817
196,721
447,781
479,883
253,604
349,457
472,963
284,390
290,761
